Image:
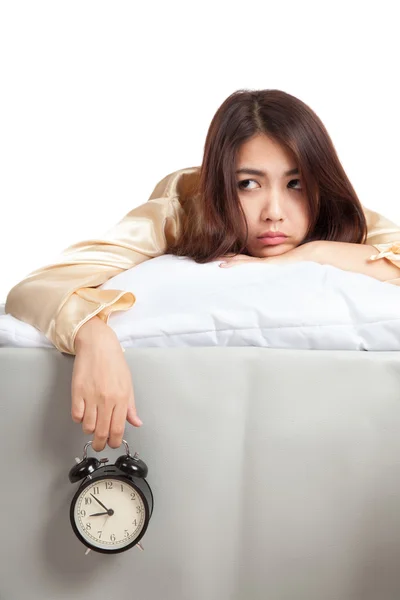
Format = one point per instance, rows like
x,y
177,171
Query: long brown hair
x,y
215,224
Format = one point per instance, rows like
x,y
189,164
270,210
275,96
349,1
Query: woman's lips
x,y
272,241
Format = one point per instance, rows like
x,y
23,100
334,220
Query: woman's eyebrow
x,y
248,171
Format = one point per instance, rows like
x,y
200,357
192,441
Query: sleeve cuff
x,y
84,304
391,251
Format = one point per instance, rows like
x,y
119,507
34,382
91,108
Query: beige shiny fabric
x,y
59,298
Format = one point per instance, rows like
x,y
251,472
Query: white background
x,y
100,100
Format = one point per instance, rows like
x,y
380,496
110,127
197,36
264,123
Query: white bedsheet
x,y
303,306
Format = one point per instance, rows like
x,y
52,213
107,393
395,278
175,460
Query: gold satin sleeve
x,y
59,298
384,235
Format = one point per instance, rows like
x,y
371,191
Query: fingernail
x,y
139,421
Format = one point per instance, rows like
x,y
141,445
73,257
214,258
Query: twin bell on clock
x,y
112,507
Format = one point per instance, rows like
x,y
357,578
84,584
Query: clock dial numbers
x,y
122,519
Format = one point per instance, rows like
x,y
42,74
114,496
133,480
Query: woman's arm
x,y
59,298
350,257
358,258
379,257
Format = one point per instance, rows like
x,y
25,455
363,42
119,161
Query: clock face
x,y
109,514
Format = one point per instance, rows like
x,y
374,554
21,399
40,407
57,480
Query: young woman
x,y
270,188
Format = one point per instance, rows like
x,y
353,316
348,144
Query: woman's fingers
x,y
77,408
117,426
101,432
131,415
89,418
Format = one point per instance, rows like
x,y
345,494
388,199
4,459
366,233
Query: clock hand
x,y
110,512
105,521
101,504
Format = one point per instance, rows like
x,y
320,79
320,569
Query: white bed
x,y
275,473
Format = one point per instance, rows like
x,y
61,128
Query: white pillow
x,y
303,305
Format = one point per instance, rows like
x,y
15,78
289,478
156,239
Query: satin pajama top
x,y
59,298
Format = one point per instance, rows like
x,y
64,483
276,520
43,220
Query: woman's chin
x,y
271,250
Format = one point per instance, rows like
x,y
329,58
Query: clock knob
x,y
132,466
84,468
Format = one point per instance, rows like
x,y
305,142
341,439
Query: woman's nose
x,y
273,209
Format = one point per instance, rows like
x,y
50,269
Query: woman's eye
x,y
241,186
294,180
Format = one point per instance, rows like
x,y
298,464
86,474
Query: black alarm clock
x,y
113,505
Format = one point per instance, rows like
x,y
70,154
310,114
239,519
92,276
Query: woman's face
x,y
272,200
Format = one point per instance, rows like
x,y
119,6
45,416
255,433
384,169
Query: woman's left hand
x,y
230,260
306,252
